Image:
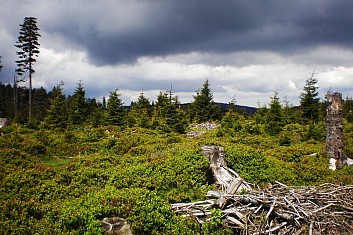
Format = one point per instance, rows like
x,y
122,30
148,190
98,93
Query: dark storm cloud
x,y
245,47
167,27
171,27
114,32
166,85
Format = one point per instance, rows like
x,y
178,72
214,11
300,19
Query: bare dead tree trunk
x,y
334,135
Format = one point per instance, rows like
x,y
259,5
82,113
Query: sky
x,y
248,50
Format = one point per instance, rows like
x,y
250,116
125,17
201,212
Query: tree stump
x,y
116,225
334,132
226,179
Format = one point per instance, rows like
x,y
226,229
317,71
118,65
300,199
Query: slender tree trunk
x,y
15,94
30,90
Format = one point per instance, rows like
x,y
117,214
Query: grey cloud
x,y
121,32
233,33
222,27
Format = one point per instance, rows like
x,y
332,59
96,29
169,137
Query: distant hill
x,y
246,109
224,107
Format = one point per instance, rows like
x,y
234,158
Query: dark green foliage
x,y
40,104
115,110
57,114
168,114
78,106
347,109
203,108
274,116
260,115
9,95
291,114
143,105
28,45
6,101
97,116
141,112
0,64
310,102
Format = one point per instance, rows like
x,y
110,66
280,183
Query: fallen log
x,y
276,209
279,209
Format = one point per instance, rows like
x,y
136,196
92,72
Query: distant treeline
x,y
56,110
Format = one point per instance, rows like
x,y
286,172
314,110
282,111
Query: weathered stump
x,y
226,179
4,122
334,132
116,225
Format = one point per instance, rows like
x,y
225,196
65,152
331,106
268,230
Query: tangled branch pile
x,y
324,209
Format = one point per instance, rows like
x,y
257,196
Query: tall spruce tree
x,y
0,63
309,101
203,108
28,49
115,109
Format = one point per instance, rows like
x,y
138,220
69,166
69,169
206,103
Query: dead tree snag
x,y
334,132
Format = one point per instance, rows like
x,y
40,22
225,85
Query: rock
x,y
116,225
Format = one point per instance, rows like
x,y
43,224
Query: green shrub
x,y
248,162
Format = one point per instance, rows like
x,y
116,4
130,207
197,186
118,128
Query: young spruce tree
x,y
57,113
115,109
310,102
274,116
203,108
169,113
78,105
141,112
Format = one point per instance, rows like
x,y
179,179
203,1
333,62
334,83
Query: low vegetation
x,y
62,182
63,174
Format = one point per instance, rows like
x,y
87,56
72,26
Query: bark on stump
x,y
116,226
226,179
334,135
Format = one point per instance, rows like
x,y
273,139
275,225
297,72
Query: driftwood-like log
x,y
226,179
324,209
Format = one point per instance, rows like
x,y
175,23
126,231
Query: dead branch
x,y
324,209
